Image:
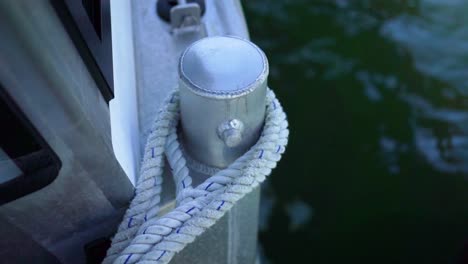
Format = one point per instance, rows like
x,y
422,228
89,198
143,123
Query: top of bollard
x,y
223,67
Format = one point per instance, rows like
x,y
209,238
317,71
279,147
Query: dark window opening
x,y
93,9
88,23
27,163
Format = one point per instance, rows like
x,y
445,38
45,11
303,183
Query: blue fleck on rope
x,y
164,252
219,207
128,258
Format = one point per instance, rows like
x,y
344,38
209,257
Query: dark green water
x,y
377,98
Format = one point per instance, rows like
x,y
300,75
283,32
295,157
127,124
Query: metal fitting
x,y
223,82
231,132
182,14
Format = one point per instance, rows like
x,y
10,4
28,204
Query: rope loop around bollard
x,y
145,237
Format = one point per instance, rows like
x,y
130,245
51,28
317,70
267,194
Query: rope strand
x,y
143,237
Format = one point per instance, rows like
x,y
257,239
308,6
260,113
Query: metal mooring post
x,y
222,92
223,85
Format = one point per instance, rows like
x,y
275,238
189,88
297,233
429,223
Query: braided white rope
x,y
143,237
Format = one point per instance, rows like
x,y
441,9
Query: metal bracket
x,y
186,17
